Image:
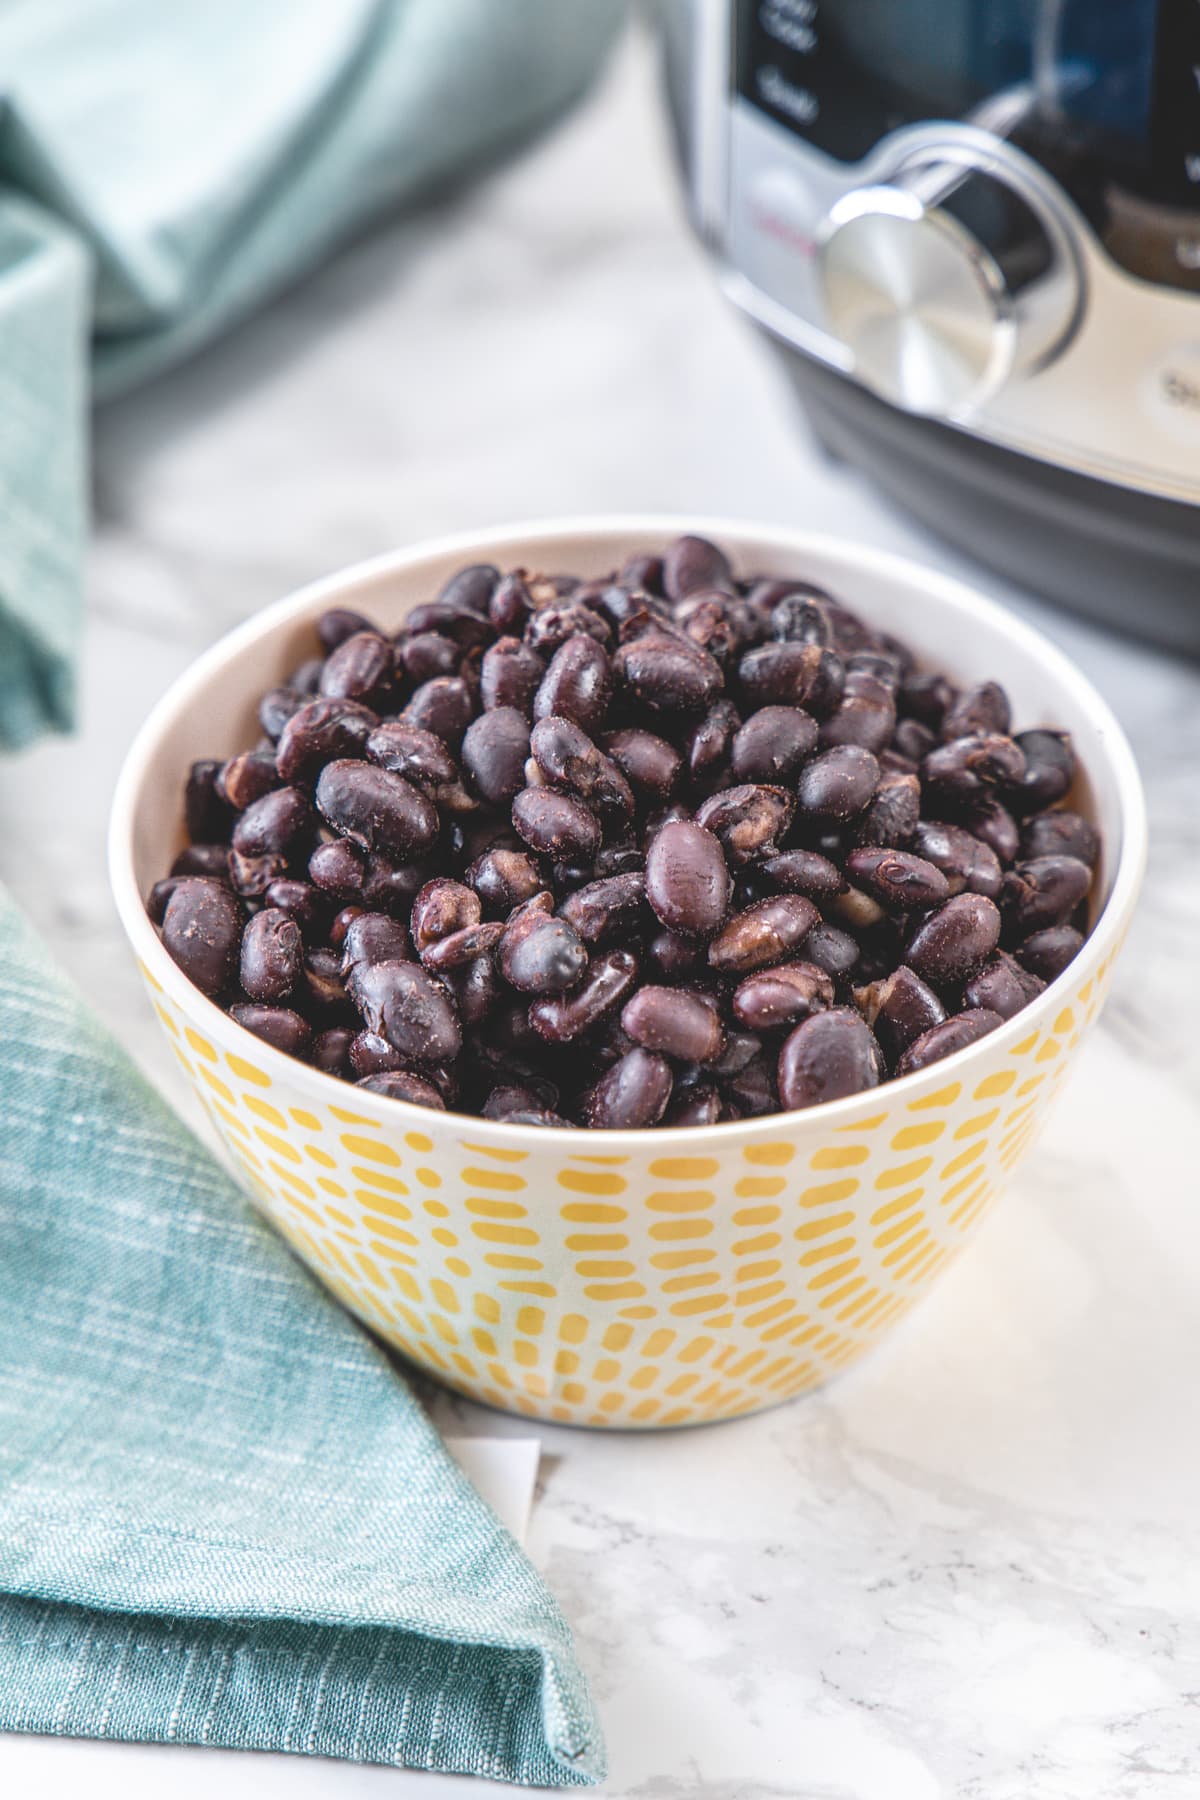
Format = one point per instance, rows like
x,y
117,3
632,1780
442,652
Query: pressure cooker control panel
x,y
987,211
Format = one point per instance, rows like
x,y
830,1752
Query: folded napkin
x,y
223,1518
200,155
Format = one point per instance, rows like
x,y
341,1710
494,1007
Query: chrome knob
x,y
945,284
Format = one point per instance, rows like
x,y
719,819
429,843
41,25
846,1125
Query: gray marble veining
x,y
971,1569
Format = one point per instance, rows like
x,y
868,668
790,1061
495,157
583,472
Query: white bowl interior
x,y
211,712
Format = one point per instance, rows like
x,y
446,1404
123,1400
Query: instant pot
x,y
973,226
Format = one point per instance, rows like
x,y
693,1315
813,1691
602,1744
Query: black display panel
x,y
1105,94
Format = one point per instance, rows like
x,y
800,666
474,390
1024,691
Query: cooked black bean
x,y
555,825
203,859
764,933
612,907
643,828
568,759
994,826
270,955
913,740
373,808
964,859
650,765
773,744
442,907
246,778
443,706
805,872
510,675
331,1050
899,1009
1002,986
666,675
494,751
463,947
1047,953
577,685
560,1019
838,784
1049,770
374,937
504,878
404,1084
957,1033
202,932
799,617
208,818
360,669
371,1054
320,730
631,1095
401,1002
471,588
788,674
337,868
540,954
893,811
782,996
954,941
1061,833
981,711
927,696
676,1022
694,562
276,1025
1042,892
899,880
510,604
747,821
963,770
338,624
476,989
865,715
828,1056
251,876
277,824
687,881
426,656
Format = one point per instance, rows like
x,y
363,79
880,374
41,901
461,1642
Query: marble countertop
x,y
970,1570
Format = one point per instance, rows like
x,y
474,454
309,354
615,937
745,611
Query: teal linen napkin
x,y
200,155
223,1518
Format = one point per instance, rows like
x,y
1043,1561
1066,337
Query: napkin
x,y
223,1517
164,168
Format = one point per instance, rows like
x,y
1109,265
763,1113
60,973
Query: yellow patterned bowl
x,y
636,1278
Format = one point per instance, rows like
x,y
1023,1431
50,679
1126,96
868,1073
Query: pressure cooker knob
x,y
945,284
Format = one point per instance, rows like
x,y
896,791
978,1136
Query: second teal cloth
x,y
195,157
224,1520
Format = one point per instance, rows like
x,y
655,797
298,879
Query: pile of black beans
x,y
671,847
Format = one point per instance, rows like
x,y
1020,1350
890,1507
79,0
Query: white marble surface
x,y
971,1569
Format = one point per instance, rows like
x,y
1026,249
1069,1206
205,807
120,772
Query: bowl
x,y
640,1278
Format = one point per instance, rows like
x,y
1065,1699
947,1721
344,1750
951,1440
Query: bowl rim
x,y
475,545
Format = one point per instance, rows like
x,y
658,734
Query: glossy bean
x,y
687,880
555,825
612,907
633,1094
560,1019
951,943
361,669
202,933
270,955
278,1026
826,1057
899,880
765,933
1002,986
773,744
577,685
374,808
1047,953
772,999
899,1009
676,1022
403,1003
838,784
1042,892
957,1033
319,731
510,675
